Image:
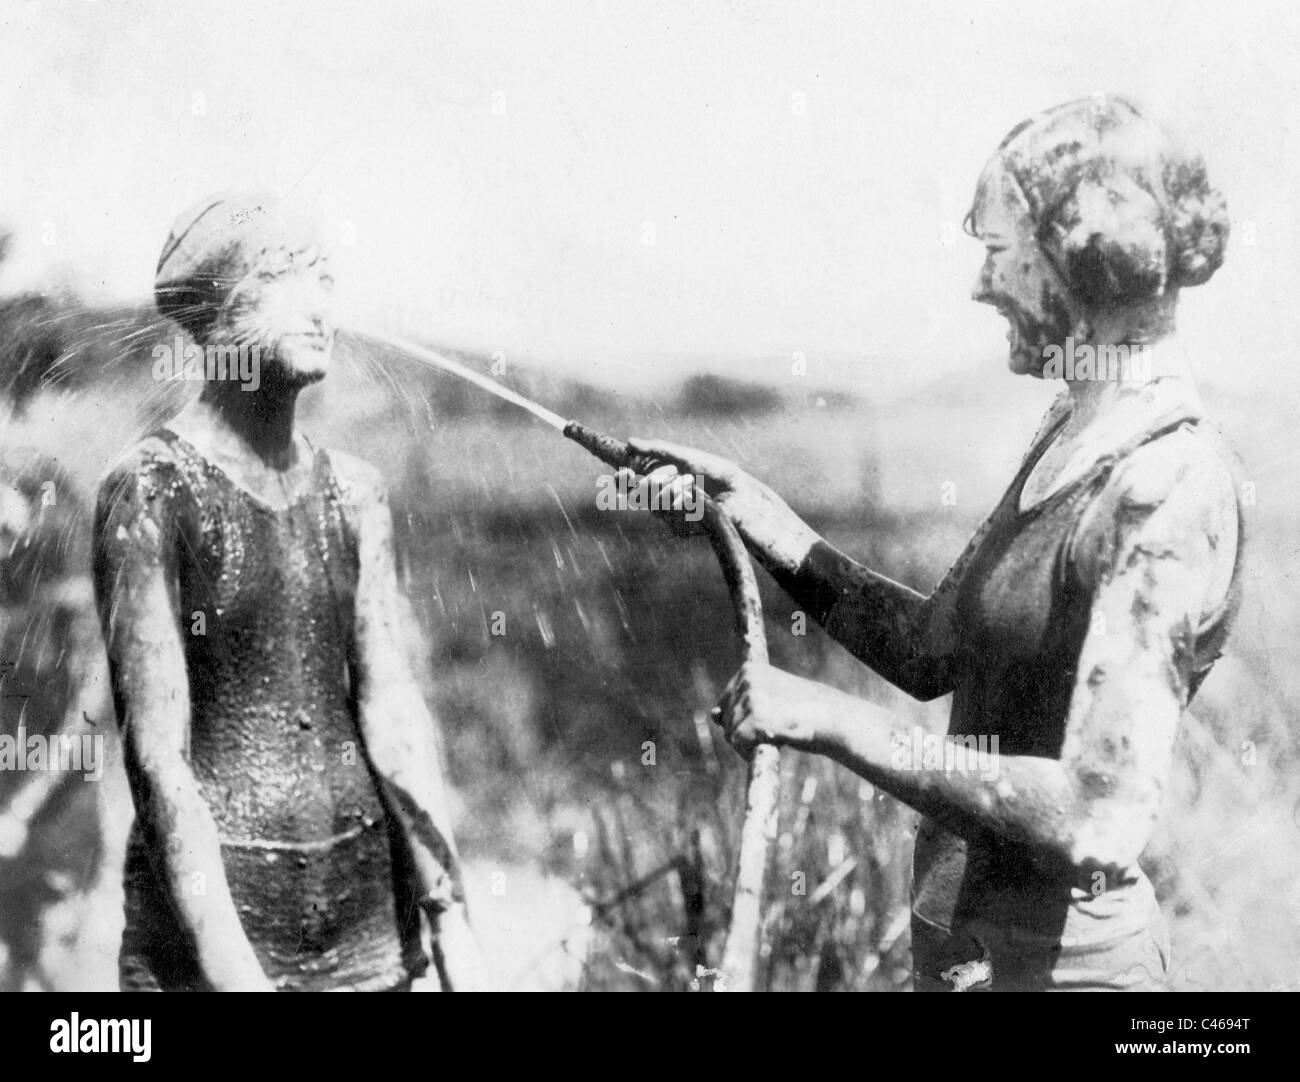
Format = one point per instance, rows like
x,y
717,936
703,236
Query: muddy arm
x,y
907,637
1092,810
399,731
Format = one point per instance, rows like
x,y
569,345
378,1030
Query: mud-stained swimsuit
x,y
1003,633
1023,603
265,602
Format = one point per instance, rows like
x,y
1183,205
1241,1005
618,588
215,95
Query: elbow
x,y
393,725
926,691
389,710
394,706
925,670
924,677
157,771
925,680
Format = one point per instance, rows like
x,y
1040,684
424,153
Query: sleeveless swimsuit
x,y
1023,610
266,602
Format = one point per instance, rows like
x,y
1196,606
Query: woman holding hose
x,y
1086,610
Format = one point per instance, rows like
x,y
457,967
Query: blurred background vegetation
x,y
597,811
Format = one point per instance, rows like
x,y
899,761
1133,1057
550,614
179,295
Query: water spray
x,y
446,364
738,969
613,452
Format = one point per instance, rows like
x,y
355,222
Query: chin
x,y
301,368
1025,363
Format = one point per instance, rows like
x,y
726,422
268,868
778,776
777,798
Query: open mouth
x,y
1014,335
1024,352
1017,337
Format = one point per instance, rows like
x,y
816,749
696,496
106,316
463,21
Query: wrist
x,y
767,522
821,733
790,546
440,896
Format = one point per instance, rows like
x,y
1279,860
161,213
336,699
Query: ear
x,y
189,303
1108,239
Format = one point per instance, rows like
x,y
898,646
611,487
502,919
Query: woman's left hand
x,y
763,705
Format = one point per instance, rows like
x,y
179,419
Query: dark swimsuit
x,y
274,740
1023,610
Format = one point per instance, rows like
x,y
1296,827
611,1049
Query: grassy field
x,y
598,812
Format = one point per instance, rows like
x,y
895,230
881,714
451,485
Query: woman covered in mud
x,y
291,823
1083,614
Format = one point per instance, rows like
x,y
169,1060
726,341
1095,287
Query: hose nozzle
x,y
611,451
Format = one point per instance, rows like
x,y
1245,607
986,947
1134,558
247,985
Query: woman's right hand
x,y
761,516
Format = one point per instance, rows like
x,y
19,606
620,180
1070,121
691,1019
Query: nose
x,y
317,303
981,289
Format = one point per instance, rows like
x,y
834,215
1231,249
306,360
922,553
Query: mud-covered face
x,y
1017,278
283,306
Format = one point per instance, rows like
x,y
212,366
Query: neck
x,y
1132,349
261,420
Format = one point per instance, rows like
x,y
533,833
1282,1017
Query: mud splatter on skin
x,y
1078,237
242,588
1018,278
270,719
1121,208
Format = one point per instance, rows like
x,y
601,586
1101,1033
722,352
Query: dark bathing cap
x,y
217,243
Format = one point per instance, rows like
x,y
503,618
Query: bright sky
x,y
633,188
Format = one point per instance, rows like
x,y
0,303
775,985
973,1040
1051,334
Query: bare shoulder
x,y
1185,475
1171,502
362,484
356,476
140,503
147,474
149,453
